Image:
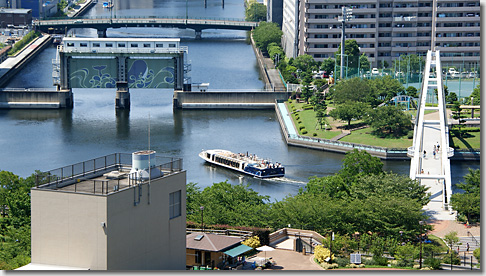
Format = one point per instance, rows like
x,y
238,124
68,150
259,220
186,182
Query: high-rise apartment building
x,y
385,29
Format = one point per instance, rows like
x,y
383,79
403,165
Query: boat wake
x,y
286,181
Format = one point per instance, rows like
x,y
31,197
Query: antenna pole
x,y
150,166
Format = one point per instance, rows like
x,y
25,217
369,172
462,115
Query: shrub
x,y
329,266
432,263
477,254
455,259
304,131
297,117
300,121
380,260
314,134
252,242
307,107
410,134
289,101
342,262
301,127
322,254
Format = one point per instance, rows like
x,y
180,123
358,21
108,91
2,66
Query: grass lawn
x,y
309,121
472,142
438,242
363,136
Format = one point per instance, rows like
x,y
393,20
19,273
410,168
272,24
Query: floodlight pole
x,y
346,16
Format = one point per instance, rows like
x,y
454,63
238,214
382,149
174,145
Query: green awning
x,y
240,249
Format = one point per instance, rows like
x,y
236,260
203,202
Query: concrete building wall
x,y
66,229
275,11
290,29
108,232
143,237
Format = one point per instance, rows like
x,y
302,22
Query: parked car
x,y
375,71
471,75
399,74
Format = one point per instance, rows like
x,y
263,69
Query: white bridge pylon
x,y
432,170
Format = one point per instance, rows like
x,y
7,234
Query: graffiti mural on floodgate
x,y
155,73
93,73
102,73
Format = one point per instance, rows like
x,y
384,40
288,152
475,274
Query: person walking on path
x,y
434,153
425,153
467,247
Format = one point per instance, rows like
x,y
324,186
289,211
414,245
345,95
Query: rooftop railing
x,y
88,170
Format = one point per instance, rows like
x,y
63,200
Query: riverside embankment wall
x,y
227,99
343,147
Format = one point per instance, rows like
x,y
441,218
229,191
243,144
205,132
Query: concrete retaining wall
x,y
30,98
235,100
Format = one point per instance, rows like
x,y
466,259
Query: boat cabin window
x,y
172,45
109,45
146,45
121,45
96,45
159,45
134,45
70,44
83,44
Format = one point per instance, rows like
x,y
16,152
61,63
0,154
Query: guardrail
x,y
134,50
474,238
145,17
58,178
227,232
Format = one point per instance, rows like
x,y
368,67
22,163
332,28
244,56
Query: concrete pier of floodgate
x,y
228,99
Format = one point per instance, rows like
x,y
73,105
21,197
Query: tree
x,y
349,111
355,90
476,94
305,63
412,92
224,203
328,65
384,64
274,50
469,202
307,91
252,242
386,87
351,49
356,163
364,63
266,33
451,239
405,62
388,120
256,12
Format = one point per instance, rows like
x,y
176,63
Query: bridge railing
x,y
144,17
126,50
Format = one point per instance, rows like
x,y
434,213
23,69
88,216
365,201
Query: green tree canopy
x,y
351,49
266,33
386,87
388,121
349,111
305,63
364,63
412,91
328,65
469,202
412,62
256,12
356,90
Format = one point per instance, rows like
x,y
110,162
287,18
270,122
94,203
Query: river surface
x,y
48,139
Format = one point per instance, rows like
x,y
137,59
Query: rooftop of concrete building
x,y
108,174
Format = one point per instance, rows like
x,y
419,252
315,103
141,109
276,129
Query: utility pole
x,y
346,16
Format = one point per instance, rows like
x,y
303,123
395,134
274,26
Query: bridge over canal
x,y
101,24
433,169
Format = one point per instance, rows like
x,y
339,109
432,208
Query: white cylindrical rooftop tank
x,y
140,159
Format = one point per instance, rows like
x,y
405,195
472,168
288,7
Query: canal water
x,y
47,139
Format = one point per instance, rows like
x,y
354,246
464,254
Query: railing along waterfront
x,y
88,170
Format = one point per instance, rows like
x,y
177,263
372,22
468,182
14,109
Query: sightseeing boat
x,y
246,163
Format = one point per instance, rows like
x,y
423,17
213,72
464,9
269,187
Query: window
x,y
172,45
198,257
159,45
109,45
134,45
121,45
175,204
70,44
146,45
83,44
96,44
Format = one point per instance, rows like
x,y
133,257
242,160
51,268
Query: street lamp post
x,y
346,16
202,218
421,238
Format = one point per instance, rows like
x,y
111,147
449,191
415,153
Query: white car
x,y
375,71
399,74
472,75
